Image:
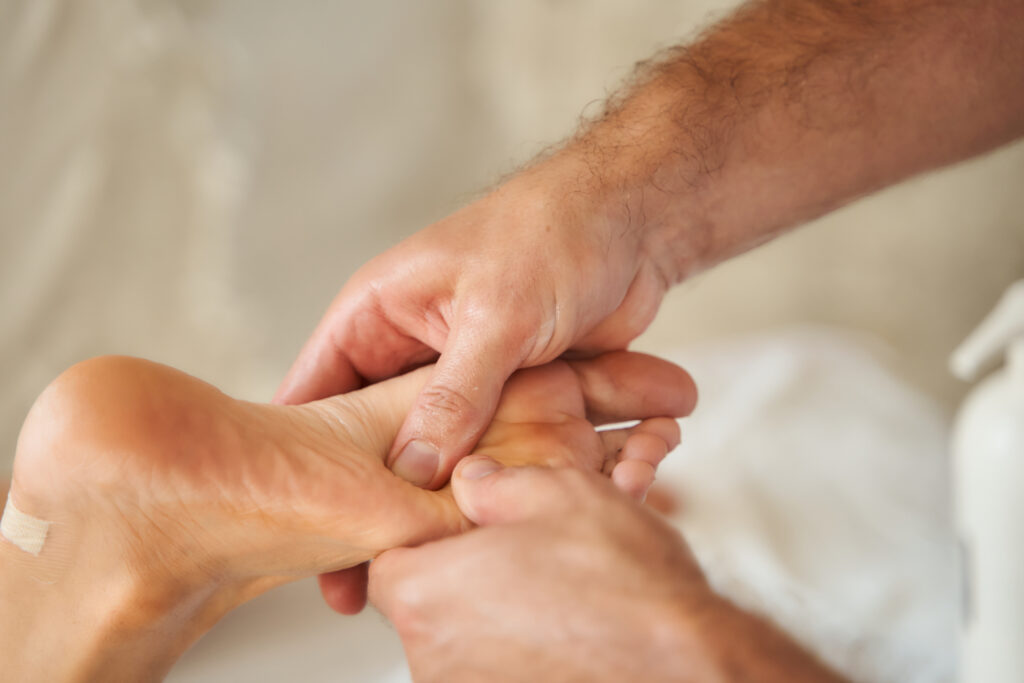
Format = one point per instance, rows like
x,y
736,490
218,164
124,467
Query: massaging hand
x,y
600,588
511,281
172,503
569,580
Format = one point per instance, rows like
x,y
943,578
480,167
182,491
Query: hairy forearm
x,y
789,109
737,647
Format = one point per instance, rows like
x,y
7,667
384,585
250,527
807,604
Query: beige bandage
x,y
22,529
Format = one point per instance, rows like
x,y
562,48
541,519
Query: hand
x,y
540,419
569,580
171,503
513,280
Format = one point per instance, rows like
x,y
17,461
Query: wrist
x,y
609,229
720,643
690,638
610,188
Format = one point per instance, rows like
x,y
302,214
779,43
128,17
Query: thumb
x,y
319,371
376,411
489,493
454,407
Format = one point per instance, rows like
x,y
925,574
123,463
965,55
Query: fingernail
x,y
417,463
478,469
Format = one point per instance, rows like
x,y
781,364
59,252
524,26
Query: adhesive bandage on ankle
x,y
22,529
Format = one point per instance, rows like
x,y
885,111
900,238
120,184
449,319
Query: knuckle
x,y
515,328
448,403
405,608
505,319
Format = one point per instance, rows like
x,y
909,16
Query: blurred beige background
x,y
193,181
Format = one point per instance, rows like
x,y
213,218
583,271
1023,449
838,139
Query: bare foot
x,y
170,503
204,487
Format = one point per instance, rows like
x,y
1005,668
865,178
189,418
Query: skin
x,y
172,503
601,590
780,113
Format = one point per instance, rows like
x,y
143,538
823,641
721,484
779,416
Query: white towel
x,y
813,488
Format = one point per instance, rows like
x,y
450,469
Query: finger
x,y
394,513
622,385
488,493
388,571
663,428
634,478
344,591
321,370
354,341
545,393
645,447
376,411
388,511
455,406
